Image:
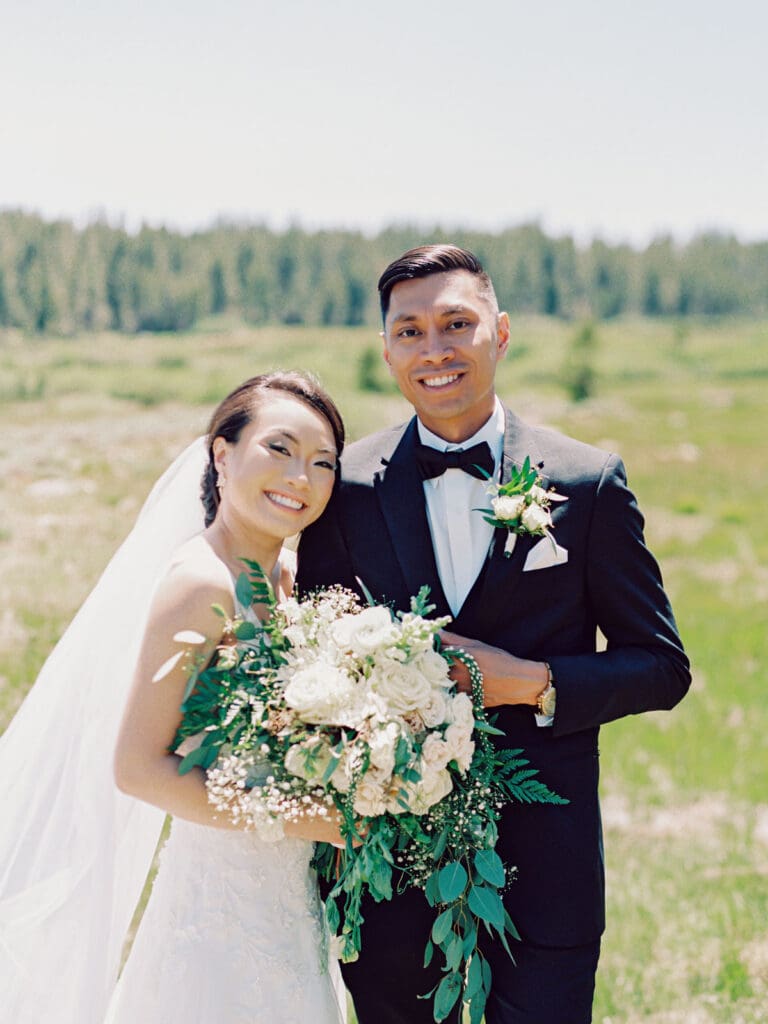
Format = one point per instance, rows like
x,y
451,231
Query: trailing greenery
x,y
56,278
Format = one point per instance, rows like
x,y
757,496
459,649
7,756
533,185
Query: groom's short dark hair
x,y
426,260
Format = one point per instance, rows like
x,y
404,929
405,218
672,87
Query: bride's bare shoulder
x,y
196,574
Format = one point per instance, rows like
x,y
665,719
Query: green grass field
x,y
86,424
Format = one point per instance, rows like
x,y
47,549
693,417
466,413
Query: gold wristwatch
x,y
545,702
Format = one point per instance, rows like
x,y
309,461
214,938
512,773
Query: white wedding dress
x,y
233,930
233,934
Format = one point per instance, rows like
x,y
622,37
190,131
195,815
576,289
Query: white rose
x,y
508,506
433,667
462,713
461,747
538,494
435,711
535,518
435,753
382,744
403,688
430,789
321,694
366,632
370,796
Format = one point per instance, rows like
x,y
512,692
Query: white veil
x,y
75,852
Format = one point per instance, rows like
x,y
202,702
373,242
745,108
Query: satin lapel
x,y
400,490
495,586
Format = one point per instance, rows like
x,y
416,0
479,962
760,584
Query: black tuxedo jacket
x,y
376,528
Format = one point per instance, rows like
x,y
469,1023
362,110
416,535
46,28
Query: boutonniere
x,y
521,506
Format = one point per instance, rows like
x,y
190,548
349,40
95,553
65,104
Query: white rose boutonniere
x,y
521,506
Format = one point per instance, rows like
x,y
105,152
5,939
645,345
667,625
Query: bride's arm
x,y
143,766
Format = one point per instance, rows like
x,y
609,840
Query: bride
x,y
233,931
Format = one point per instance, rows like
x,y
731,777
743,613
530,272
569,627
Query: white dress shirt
x,y
461,538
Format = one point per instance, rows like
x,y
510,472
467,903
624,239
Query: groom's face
x,y
443,337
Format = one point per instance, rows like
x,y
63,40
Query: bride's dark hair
x,y
236,412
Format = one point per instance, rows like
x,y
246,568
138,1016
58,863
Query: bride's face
x,y
280,473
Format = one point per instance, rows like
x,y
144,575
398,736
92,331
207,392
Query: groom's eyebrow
x,y
448,311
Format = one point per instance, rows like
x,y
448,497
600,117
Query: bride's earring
x,y
220,481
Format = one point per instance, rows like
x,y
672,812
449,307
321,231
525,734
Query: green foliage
x,y
369,370
57,278
683,791
579,374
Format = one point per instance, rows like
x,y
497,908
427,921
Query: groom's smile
x,y
443,337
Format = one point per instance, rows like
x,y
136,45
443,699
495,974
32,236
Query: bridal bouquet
x,y
329,704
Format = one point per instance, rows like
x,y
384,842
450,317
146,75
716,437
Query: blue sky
x,y
612,118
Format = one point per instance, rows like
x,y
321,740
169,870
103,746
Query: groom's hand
x,y
506,679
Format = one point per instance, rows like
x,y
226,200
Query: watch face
x,y
548,701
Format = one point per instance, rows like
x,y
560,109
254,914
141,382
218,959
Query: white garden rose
x,y
362,634
507,507
436,710
403,688
321,694
433,667
462,713
429,790
536,518
435,753
371,795
461,747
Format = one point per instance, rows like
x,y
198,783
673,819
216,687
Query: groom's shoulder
x,y
364,458
570,459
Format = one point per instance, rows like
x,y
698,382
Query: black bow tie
x,y
472,460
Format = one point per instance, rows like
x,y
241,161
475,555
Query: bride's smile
x,y
274,480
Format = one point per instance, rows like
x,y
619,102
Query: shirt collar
x,y
492,432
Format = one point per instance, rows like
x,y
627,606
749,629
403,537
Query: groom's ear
x,y
385,350
502,333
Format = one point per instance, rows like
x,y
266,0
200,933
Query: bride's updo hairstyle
x,y
237,410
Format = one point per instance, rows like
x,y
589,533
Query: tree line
x,y
58,278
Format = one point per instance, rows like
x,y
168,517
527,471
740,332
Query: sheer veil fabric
x,y
74,851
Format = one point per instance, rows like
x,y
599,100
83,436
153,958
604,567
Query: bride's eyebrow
x,y
292,437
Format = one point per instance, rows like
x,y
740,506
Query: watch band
x,y
545,702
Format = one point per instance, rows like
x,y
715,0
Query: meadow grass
x,y
87,423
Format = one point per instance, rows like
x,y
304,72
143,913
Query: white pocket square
x,y
544,554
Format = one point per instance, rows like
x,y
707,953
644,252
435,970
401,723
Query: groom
x,y
406,515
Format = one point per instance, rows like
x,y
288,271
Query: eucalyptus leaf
x,y
477,1006
487,905
453,880
447,993
487,978
428,953
432,888
442,926
454,953
489,866
245,630
474,977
